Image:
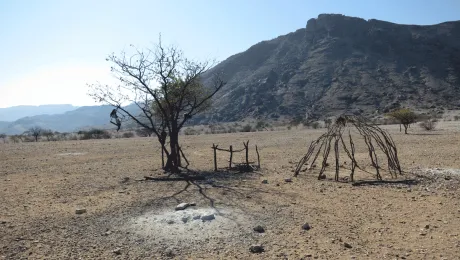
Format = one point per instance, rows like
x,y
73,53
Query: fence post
x,y
247,152
214,147
231,157
258,157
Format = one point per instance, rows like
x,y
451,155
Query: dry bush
x,y
429,124
128,135
191,131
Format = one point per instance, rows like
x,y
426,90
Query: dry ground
x,y
41,185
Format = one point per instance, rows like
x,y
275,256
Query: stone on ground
x,y
256,249
182,206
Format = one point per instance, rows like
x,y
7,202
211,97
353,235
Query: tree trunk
x,y
405,128
173,162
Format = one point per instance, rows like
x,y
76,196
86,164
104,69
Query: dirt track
x,y
43,183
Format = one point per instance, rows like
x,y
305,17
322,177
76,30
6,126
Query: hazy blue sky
x,y
49,50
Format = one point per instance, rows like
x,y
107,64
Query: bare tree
x,y
35,131
166,88
49,134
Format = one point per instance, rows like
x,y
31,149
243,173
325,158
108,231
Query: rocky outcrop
x,y
340,64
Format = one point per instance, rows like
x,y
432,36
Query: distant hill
x,y
340,64
4,124
17,112
80,118
69,121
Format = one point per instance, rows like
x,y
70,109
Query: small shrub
x,y
289,127
260,125
94,134
315,125
456,118
246,128
142,132
128,135
190,131
428,125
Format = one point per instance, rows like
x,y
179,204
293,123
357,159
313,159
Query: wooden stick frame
x,y
247,163
374,137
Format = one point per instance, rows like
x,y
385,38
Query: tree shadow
x,y
385,182
203,180
425,134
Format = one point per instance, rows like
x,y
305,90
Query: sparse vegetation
x,y
3,137
429,124
327,122
405,117
94,134
190,131
49,134
246,128
35,131
143,132
128,135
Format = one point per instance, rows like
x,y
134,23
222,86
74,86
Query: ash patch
x,y
191,225
438,178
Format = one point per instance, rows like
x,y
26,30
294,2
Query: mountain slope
x,y
342,64
17,112
70,121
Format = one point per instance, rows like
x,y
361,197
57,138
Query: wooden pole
x,y
231,157
162,156
258,157
247,152
215,156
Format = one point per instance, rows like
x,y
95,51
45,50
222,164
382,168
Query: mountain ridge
x,y
340,64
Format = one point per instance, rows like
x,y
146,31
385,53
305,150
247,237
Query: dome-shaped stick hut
x,y
374,138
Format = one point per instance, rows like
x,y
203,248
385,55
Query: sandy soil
x,y
42,184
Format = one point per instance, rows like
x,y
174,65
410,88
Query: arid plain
x,y
42,184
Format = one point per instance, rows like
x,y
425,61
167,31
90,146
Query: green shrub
x,y
94,134
128,135
246,128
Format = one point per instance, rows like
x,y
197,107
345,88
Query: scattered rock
x,y
80,211
169,253
208,217
265,181
196,217
306,226
447,178
288,180
185,219
170,222
125,180
182,206
259,229
322,177
256,249
346,245
117,251
192,204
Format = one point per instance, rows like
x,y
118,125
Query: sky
x,y
51,49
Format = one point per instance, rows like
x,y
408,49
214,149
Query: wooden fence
x,y
231,151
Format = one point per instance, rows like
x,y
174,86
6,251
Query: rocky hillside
x,y
342,64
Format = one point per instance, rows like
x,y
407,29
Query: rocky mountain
x,y
339,64
16,112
